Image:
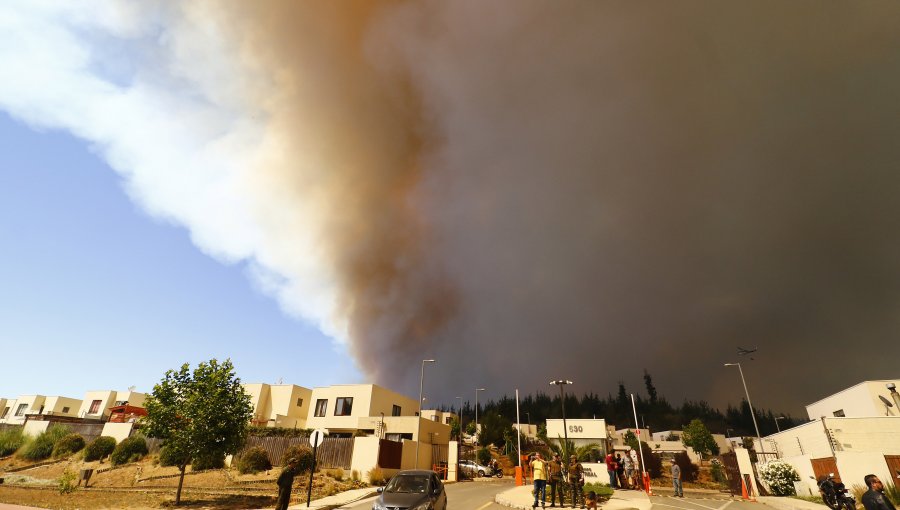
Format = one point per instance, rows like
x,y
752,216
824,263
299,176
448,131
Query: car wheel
x,y
481,473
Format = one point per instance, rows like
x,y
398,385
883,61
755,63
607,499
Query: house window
x,y
343,406
95,407
436,418
5,412
839,413
321,405
65,410
395,411
21,409
299,402
447,420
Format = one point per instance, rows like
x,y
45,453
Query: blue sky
x,y
96,294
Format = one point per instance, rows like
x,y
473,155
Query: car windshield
x,y
416,484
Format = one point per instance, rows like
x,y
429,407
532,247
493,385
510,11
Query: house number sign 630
x,y
576,428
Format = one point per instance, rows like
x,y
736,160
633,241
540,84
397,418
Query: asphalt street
x,y
461,496
701,503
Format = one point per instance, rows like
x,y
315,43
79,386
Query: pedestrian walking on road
x,y
874,498
676,480
285,483
555,480
539,470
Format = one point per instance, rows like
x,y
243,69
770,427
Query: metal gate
x,y
821,468
732,472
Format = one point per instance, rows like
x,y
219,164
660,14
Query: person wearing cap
x,y
555,480
576,480
285,483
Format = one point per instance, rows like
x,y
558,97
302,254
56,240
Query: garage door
x,y
893,463
821,468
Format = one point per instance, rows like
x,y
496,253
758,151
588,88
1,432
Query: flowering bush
x,y
780,477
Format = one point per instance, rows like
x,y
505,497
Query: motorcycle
x,y
835,494
496,471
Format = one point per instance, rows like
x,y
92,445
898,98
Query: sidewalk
x,y
521,497
338,500
790,503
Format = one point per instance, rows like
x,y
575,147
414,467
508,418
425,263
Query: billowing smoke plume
x,y
523,190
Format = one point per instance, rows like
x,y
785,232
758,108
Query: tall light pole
x,y
752,415
562,402
776,422
419,429
476,415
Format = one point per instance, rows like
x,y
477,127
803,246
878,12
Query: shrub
x,y
484,456
204,462
129,450
302,453
892,492
67,482
168,458
689,470
99,448
717,471
337,473
652,460
354,475
253,460
257,431
41,447
376,476
11,440
779,476
68,445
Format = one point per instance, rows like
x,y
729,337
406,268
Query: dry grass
x,y
145,484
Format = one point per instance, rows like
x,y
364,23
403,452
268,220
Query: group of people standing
x,y
621,470
559,477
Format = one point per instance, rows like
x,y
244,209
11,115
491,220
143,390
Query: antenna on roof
x,y
132,388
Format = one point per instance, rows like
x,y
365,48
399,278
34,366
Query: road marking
x,y
482,507
670,506
726,504
698,504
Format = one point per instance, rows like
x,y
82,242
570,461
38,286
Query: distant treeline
x,y
653,410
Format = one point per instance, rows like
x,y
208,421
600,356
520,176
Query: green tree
x,y
651,389
199,414
631,439
698,437
494,430
454,429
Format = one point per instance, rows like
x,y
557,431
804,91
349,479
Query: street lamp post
x,y
459,417
419,429
562,402
476,414
776,422
752,414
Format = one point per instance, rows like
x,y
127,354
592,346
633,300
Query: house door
x,y
729,461
893,463
821,468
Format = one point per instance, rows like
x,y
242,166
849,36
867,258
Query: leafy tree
x,y
454,429
698,437
494,430
470,428
747,442
689,470
651,390
631,439
199,414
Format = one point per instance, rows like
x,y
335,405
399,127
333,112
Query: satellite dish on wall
x,y
887,402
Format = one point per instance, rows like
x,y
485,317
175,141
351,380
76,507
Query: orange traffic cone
x,y
744,492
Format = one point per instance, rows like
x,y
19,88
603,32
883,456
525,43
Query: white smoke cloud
x,y
161,95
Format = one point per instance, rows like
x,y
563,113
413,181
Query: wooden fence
x,y
334,452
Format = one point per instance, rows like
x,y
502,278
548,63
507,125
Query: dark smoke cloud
x,y
535,190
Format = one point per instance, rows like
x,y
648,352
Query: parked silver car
x,y
473,469
412,490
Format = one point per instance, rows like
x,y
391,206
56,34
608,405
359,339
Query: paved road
x,y
714,502
463,496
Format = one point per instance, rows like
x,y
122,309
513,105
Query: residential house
x,y
96,404
444,417
862,440
868,398
338,408
16,411
279,405
4,409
